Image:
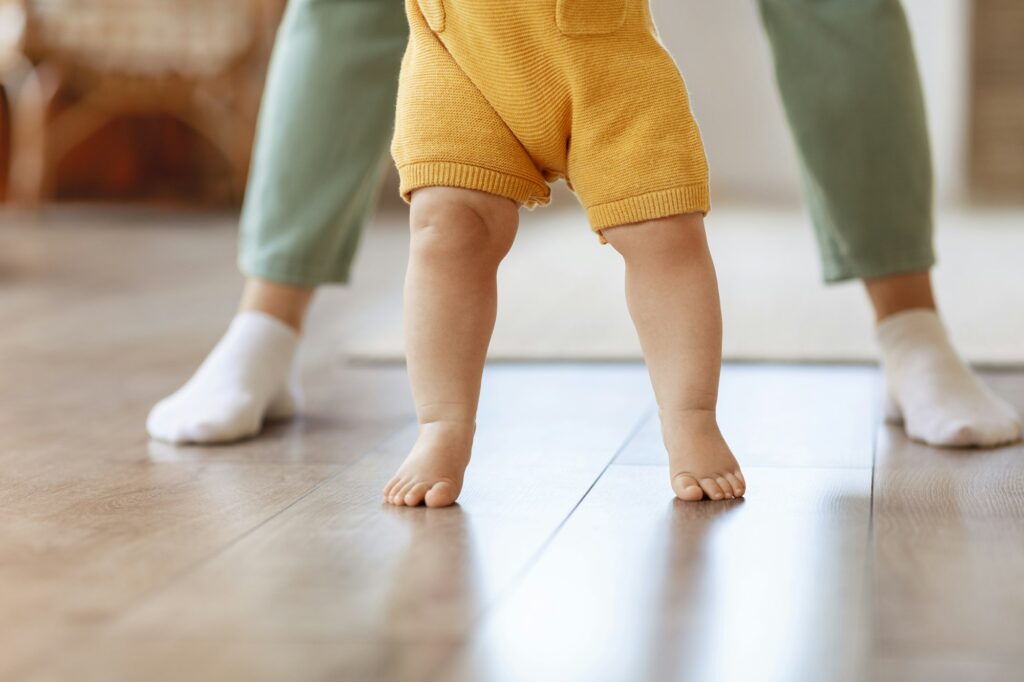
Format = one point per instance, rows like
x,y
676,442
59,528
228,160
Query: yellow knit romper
x,y
503,96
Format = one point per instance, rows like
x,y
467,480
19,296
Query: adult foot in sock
x,y
939,399
245,380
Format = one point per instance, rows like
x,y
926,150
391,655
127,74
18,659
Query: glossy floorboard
x,y
857,555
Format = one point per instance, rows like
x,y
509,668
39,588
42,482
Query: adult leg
x,y
852,94
458,239
320,151
672,294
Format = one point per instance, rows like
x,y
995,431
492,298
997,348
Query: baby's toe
x,y
391,487
441,494
686,488
416,494
711,487
403,491
737,485
726,487
395,497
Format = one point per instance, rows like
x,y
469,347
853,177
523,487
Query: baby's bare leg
x,y
673,298
458,238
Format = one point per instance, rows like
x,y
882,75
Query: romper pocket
x,y
590,17
433,12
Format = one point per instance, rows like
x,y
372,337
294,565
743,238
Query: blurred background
x,y
970,56
152,104
127,101
155,100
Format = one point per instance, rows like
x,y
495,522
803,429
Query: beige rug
x,y
561,292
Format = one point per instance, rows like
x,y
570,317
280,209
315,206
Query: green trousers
x,y
846,71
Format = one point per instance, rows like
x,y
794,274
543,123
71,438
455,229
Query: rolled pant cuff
x,y
842,269
295,273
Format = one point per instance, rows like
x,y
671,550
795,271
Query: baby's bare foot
x,y
700,462
432,473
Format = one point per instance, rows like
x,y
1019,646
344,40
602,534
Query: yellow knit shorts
x,y
503,96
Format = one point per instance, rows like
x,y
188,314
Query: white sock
x,y
938,397
245,379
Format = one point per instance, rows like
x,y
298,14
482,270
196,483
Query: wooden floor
x,y
856,555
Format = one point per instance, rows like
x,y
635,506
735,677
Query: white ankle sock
x,y
245,379
940,399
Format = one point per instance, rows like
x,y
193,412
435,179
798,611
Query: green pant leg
x,y
325,123
850,86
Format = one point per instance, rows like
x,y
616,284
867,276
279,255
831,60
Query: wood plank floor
x,y
857,555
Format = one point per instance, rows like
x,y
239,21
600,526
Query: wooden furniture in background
x,y
996,156
13,68
94,62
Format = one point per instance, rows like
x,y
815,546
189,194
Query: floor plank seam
x,y
877,423
531,562
536,555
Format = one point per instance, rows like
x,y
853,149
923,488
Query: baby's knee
x,y
675,238
449,223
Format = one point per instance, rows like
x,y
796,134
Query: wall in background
x,y
724,55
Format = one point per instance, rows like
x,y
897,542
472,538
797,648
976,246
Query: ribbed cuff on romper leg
x,y
447,174
650,206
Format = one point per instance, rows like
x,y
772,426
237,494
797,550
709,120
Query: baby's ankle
x,y
695,417
682,428
448,429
